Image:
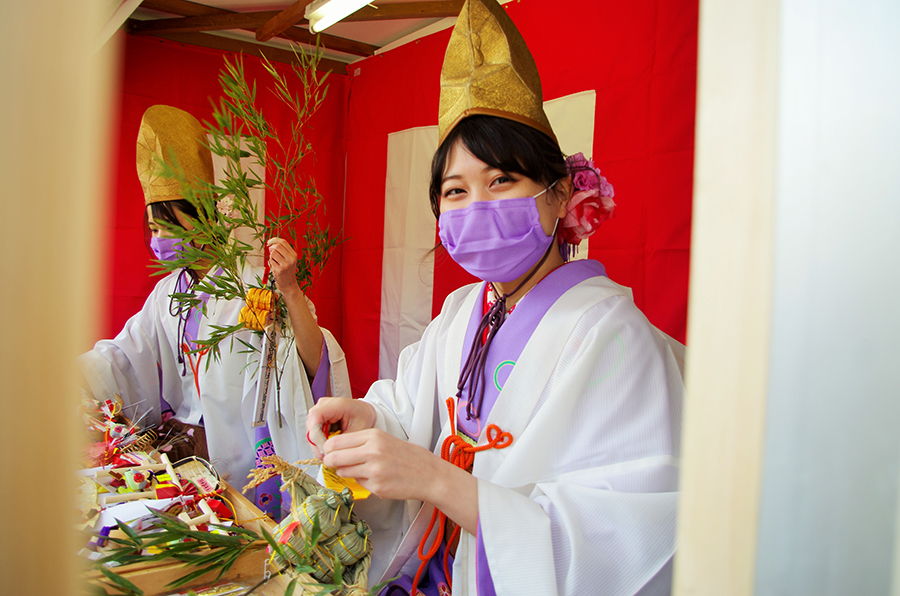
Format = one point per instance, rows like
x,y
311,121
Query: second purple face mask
x,y
495,240
166,249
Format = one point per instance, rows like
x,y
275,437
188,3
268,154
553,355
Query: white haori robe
x,y
145,354
584,500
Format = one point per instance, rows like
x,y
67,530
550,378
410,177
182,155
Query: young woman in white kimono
x,y
149,363
530,443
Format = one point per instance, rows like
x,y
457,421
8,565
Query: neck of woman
x,y
553,260
198,274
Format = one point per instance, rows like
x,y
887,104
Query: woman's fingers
x,y
389,467
349,415
282,251
345,442
283,262
325,413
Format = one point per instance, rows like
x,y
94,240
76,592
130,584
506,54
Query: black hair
x,y
507,145
166,211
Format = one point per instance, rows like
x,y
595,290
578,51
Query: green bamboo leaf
x,y
167,519
189,577
276,546
123,541
289,591
118,580
201,560
227,564
326,589
250,534
214,539
96,589
338,571
129,531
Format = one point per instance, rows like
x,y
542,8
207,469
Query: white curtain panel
x,y
257,197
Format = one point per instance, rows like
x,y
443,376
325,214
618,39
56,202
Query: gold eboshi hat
x,y
488,70
167,133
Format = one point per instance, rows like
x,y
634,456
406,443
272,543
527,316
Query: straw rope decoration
x,y
259,305
351,544
343,537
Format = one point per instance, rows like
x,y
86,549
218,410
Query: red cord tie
x,y
461,454
195,366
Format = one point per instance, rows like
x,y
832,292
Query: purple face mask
x,y
166,249
496,241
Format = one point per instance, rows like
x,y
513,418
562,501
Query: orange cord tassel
x,y
195,366
462,455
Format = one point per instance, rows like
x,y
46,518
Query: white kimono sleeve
x,y
407,409
586,503
288,411
132,364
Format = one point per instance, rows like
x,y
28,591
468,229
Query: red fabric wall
x,y
161,72
639,56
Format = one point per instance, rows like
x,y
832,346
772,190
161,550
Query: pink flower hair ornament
x,y
591,204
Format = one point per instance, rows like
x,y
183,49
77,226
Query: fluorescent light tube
x,y
322,14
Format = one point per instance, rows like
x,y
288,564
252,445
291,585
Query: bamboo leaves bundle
x,y
239,130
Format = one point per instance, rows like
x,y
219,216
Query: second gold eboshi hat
x,y
488,70
168,133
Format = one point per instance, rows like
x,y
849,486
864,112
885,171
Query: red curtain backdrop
x,y
161,72
639,56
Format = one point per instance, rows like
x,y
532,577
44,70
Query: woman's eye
x,y
502,180
452,192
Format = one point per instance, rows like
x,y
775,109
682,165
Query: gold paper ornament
x,y
488,70
168,133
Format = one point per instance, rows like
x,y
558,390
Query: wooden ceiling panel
x,y
379,22
198,17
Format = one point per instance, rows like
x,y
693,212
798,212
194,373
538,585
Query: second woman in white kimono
x,y
151,363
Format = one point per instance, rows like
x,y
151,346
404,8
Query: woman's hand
x,y
350,415
307,335
283,265
396,469
389,467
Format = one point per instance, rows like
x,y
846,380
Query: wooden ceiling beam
x,y
182,8
193,24
227,44
288,17
407,10
196,12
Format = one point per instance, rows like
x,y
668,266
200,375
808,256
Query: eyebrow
x,y
485,169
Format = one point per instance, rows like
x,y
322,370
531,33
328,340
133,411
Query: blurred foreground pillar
x,y
54,112
791,464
